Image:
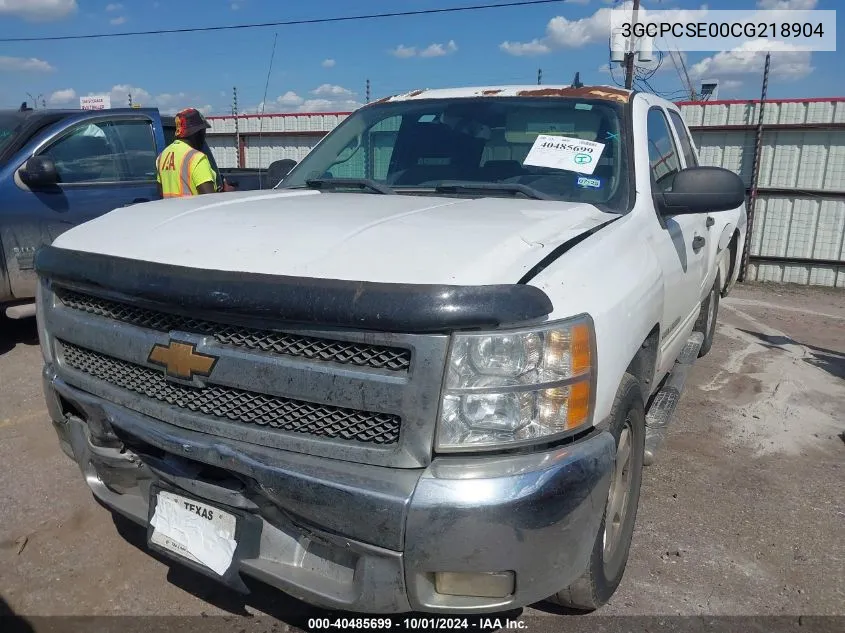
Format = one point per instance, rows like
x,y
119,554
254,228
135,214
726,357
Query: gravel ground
x,y
742,515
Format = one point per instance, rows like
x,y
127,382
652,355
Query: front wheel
x,y
613,541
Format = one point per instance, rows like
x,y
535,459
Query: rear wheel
x,y
613,541
706,323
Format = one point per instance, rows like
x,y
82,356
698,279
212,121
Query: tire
x,y
602,576
706,323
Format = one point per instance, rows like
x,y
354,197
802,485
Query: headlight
x,y
517,386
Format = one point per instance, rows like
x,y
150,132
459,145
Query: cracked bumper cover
x,y
536,515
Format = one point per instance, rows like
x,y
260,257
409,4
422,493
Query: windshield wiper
x,y
510,187
340,183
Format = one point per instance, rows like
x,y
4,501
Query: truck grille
x,y
238,405
268,341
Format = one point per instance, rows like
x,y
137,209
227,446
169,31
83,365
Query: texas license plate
x,y
199,532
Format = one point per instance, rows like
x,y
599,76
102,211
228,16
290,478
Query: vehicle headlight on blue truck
x,y
517,386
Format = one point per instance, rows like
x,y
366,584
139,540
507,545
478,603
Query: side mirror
x,y
39,171
277,171
702,190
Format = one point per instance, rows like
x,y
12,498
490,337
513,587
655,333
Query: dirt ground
x,y
743,513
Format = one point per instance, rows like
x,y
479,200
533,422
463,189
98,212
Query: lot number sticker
x,y
564,152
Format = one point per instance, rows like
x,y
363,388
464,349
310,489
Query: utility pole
x,y
539,76
755,171
629,56
368,90
237,127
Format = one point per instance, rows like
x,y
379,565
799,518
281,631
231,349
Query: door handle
x,y
709,222
698,243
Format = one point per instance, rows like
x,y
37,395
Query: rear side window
x,y
662,153
690,158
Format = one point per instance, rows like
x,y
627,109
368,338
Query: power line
x,y
233,27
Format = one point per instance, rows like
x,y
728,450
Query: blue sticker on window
x,y
583,106
589,183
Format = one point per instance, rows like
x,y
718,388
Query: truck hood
x,y
352,236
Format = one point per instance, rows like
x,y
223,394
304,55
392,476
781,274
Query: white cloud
x,y
328,63
525,49
800,5
324,98
432,50
39,10
562,33
403,52
118,21
290,99
62,97
330,98
330,91
439,50
25,64
114,6
750,58
168,103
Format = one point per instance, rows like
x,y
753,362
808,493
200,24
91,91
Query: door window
x,y
690,158
139,148
105,151
662,153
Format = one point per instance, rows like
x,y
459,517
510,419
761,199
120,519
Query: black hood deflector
x,y
363,305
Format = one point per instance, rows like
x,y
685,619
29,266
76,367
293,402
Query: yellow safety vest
x,y
180,169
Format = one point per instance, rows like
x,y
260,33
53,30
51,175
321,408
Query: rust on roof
x,y
491,92
613,94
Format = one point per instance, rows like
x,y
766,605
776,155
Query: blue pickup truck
x,y
60,168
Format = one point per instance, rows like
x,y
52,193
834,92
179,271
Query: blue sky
x,y
324,67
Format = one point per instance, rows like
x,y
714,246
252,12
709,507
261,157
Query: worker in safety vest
x,y
183,169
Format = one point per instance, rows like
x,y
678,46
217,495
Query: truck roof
x,y
64,112
610,93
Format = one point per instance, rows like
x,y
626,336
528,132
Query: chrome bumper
x,y
328,527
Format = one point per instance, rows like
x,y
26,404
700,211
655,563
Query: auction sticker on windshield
x,y
201,533
564,152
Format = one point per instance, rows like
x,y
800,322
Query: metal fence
x,y
798,233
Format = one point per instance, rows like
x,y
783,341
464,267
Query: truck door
x,y
690,159
103,162
679,242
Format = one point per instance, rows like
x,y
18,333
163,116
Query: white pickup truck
x,y
422,374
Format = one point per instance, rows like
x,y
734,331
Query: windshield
x,y
9,125
566,149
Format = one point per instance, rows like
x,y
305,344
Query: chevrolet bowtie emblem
x,y
181,360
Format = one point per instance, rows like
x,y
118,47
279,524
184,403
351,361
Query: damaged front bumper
x,y
355,537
